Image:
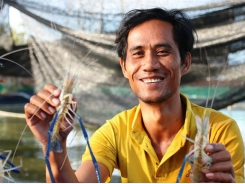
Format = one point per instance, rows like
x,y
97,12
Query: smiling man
x,y
147,143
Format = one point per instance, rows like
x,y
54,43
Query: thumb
x,y
191,148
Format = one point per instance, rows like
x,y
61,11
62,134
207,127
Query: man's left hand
x,y
221,169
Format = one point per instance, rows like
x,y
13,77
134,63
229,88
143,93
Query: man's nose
x,y
151,62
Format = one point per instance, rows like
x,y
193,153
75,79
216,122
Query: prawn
x,y
66,112
63,111
6,166
198,158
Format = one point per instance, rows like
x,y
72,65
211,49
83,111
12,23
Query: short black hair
x,y
183,29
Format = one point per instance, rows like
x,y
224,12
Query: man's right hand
x,y
39,112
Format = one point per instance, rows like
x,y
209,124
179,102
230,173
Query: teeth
x,y
151,80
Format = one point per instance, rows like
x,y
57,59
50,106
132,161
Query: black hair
x,y
183,29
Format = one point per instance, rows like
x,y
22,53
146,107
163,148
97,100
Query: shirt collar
x,y
186,130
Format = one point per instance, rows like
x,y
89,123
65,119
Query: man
x,y
147,143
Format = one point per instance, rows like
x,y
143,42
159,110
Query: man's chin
x,y
153,100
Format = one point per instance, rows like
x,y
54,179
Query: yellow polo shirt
x,y
122,143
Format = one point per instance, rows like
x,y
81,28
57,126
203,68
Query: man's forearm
x,y
60,166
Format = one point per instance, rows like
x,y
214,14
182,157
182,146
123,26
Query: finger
x,y
225,167
200,177
52,89
51,94
31,110
42,104
220,156
221,167
220,177
221,159
74,104
191,148
214,147
49,98
218,153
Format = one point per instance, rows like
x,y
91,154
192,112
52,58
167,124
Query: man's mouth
x,y
152,80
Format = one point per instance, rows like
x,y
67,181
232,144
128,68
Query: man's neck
x,y
162,122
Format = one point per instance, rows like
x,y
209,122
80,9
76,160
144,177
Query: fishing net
x,y
6,41
78,37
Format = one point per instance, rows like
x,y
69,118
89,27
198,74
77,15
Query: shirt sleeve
x,y
103,146
228,133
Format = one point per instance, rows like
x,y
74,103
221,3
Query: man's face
x,y
153,64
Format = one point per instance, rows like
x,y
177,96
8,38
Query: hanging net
x,y
78,37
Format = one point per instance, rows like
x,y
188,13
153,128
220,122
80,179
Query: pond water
x,y
29,149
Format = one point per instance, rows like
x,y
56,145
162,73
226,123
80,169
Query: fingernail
x,y
56,92
51,109
210,175
205,171
56,101
43,115
209,147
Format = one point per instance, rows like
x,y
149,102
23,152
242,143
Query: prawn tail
x,y
56,146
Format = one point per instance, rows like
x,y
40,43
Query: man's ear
x,y
123,66
186,65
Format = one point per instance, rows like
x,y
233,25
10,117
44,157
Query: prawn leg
x,y
12,166
6,169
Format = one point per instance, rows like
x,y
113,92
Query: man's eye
x,y
138,53
163,52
